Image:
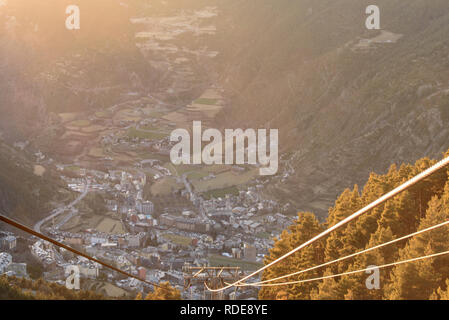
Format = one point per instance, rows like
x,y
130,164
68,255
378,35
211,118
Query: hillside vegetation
x,y
420,207
12,288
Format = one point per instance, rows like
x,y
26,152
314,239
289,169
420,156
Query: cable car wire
x,y
255,284
353,272
406,185
20,226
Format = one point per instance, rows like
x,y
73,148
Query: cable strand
x,y
353,272
79,253
348,256
436,167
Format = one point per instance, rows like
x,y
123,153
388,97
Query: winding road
x,y
58,211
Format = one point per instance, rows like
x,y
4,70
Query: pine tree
x,y
347,239
164,292
440,293
420,279
305,227
425,204
139,296
326,289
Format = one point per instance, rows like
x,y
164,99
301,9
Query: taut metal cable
x,y
347,257
355,271
438,166
79,253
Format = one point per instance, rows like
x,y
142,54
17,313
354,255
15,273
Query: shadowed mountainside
x,y
347,100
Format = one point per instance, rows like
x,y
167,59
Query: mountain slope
x,y
46,70
347,100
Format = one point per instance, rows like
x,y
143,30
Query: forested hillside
x,y
12,288
424,205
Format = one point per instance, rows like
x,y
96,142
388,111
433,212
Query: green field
x,y
221,193
150,155
177,239
72,168
206,101
195,175
150,127
220,261
111,226
134,133
225,180
102,114
179,170
165,186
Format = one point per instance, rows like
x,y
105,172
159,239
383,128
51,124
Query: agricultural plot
x,y
165,186
150,135
72,168
221,193
150,155
96,152
103,114
74,133
128,115
179,170
180,118
93,128
195,175
111,226
195,171
224,180
220,261
209,104
177,239
206,101
121,157
82,222
67,117
79,123
209,111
